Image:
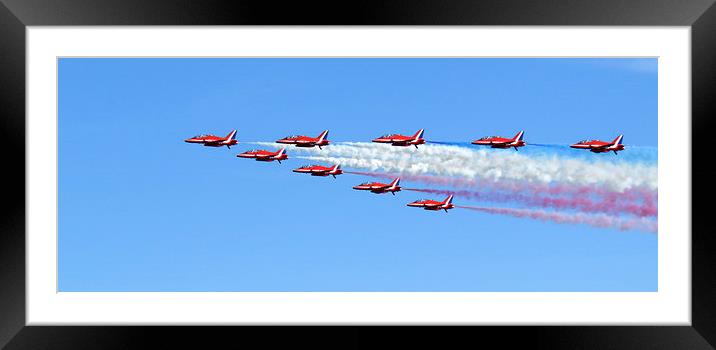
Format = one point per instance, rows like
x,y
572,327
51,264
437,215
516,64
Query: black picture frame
x,y
15,15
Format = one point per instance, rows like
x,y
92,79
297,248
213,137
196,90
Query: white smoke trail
x,y
487,164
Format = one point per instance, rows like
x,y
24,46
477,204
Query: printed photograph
x,y
357,174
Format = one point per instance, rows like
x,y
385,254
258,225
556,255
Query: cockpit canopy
x,y
387,136
489,137
201,136
366,184
293,136
587,141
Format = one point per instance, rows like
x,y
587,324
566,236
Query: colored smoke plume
x,y
581,203
597,220
481,164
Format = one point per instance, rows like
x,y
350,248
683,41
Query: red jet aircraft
x,y
597,146
402,140
265,156
429,204
318,170
502,142
215,141
377,187
305,141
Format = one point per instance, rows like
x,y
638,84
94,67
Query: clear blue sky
x,y
140,210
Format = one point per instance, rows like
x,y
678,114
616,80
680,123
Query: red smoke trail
x,y
638,201
598,220
581,203
634,194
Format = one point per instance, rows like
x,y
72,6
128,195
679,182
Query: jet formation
x,y
208,140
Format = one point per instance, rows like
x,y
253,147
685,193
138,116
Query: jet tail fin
x,y
618,140
323,136
519,136
419,134
231,135
279,154
395,182
448,200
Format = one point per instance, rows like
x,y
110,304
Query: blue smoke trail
x,y
632,154
464,144
547,145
